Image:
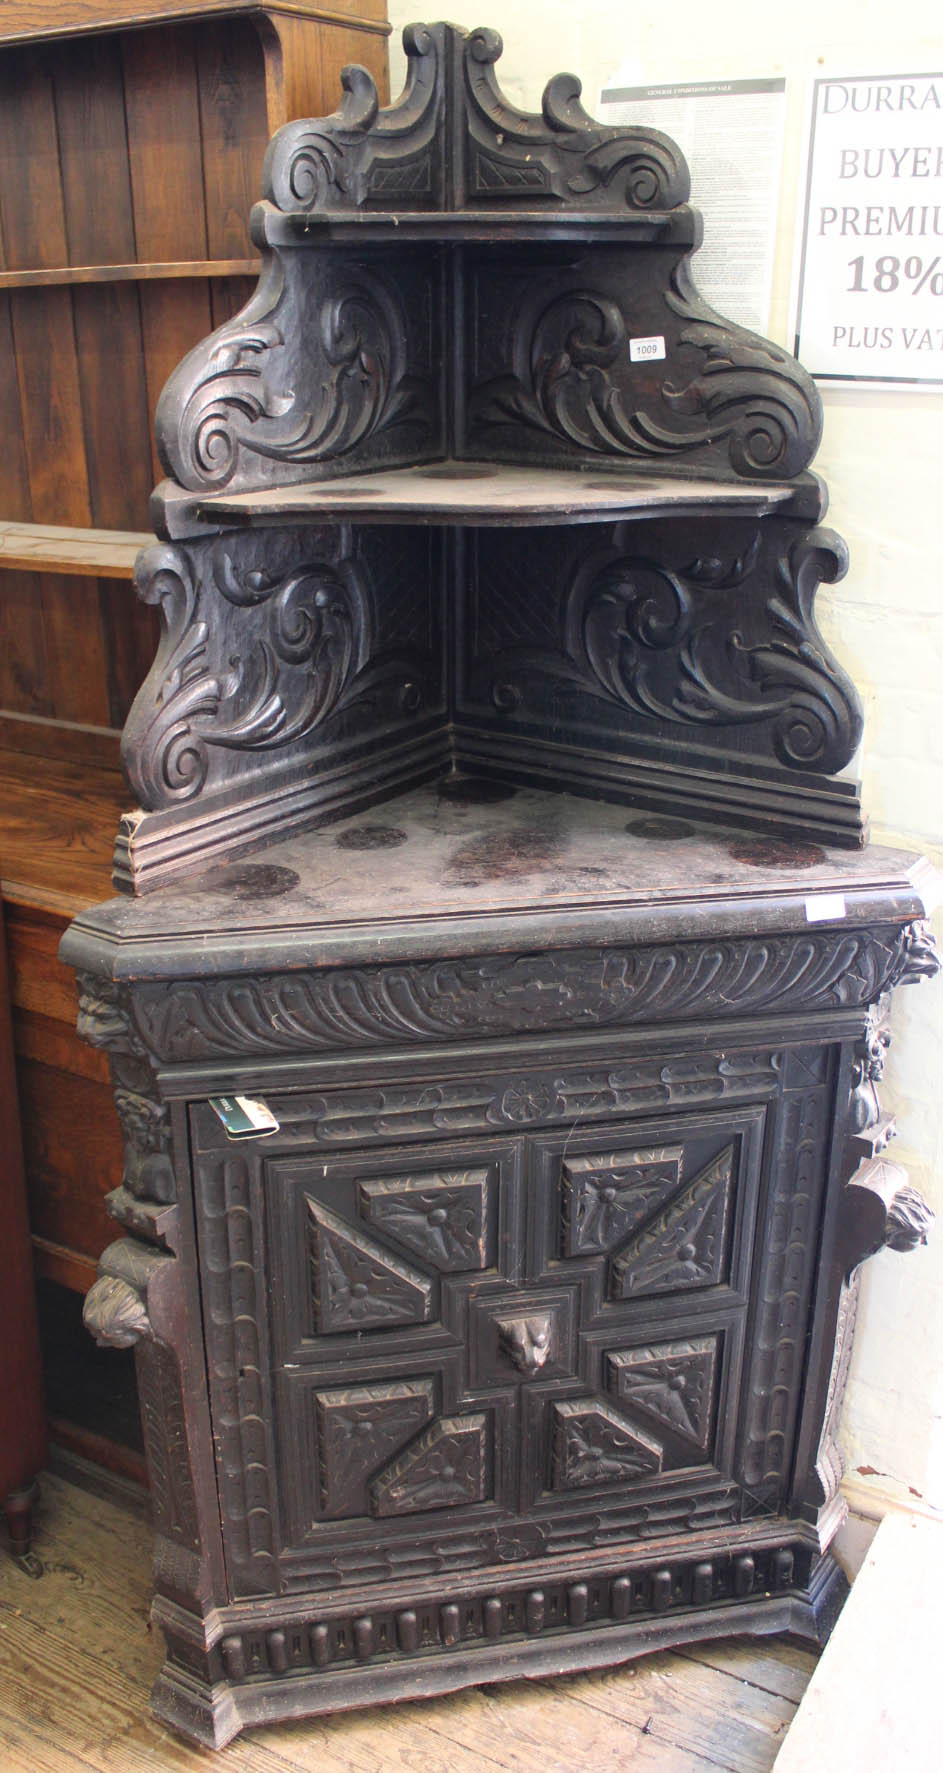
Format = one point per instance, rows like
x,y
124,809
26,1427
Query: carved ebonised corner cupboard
x,y
518,1340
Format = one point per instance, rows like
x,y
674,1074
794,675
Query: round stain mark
x,y
775,852
660,830
457,471
254,880
371,837
474,791
353,492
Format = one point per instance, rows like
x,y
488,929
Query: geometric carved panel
x,y
610,1194
593,1444
443,1218
673,1382
359,1430
445,1468
357,1284
684,1247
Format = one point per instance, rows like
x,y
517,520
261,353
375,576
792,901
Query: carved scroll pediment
x,y
403,156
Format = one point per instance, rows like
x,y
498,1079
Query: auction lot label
x,y
869,304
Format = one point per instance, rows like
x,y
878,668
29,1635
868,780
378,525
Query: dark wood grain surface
x,y
431,873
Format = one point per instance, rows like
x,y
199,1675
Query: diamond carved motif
x,y
608,1195
672,1383
446,1467
357,1284
685,1245
594,1444
358,1431
443,1218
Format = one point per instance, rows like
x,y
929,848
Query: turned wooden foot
x,y
18,1508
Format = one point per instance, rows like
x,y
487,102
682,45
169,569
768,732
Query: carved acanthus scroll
x,y
248,405
252,659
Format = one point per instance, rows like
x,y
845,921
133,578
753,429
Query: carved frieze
x,y
609,988
585,1093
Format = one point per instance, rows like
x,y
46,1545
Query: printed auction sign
x,y
869,303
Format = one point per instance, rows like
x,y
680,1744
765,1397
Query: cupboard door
x,y
462,1351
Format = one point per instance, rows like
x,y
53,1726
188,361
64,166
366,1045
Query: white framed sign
x,y
868,300
731,134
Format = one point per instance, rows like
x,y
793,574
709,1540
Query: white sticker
x,y
243,1117
823,907
646,350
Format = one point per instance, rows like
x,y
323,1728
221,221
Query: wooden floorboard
x,y
77,1659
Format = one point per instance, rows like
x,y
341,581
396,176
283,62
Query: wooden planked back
x,y
122,156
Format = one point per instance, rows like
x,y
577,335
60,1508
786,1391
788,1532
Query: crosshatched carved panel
x,y
594,1444
358,1431
673,1382
446,1467
608,1195
686,1245
443,1218
357,1284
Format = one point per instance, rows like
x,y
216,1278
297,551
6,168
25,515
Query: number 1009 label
x,y
646,350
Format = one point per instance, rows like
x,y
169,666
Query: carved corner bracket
x,y
116,1308
888,1213
148,1179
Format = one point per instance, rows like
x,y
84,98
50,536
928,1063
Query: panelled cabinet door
x,y
429,1354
